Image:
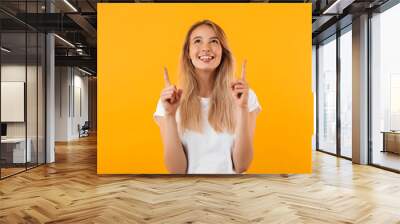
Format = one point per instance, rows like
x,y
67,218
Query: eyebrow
x,y
214,37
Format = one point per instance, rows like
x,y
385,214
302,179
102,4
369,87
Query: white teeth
x,y
206,58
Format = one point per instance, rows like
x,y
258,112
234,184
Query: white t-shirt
x,y
208,152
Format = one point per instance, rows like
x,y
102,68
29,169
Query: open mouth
x,y
206,58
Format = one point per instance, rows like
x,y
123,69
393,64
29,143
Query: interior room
x,y
49,126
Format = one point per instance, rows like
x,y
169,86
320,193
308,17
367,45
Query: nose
x,y
205,47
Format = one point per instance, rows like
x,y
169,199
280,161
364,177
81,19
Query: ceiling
x,y
76,22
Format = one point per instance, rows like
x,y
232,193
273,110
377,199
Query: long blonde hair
x,y
220,115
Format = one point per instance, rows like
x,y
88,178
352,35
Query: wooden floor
x,y
69,191
387,159
5,172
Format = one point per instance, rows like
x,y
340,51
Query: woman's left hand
x,y
240,89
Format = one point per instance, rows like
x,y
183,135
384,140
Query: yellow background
x,y
135,41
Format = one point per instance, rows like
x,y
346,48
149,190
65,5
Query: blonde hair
x,y
220,115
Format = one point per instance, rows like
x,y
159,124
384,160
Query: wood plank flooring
x,y
10,171
387,159
70,191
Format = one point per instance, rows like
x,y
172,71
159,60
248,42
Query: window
x,y
327,95
346,93
22,65
385,88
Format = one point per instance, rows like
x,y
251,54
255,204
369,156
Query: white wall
x,y
12,101
314,88
33,127
16,73
62,81
79,117
71,87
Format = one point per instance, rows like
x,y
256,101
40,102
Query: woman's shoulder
x,y
253,102
252,92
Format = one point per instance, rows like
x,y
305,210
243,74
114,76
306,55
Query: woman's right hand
x,y
170,96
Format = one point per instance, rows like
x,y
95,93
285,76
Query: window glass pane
x,y
327,96
314,78
346,94
31,100
22,88
41,98
15,151
385,88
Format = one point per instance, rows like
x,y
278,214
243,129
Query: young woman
x,y
208,125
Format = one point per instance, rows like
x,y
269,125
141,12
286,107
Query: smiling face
x,y
205,49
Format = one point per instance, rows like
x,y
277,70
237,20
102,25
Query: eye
x,y
215,41
196,41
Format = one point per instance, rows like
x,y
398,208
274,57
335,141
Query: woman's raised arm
x,y
242,154
174,154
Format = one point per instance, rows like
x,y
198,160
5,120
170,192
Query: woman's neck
x,y
205,79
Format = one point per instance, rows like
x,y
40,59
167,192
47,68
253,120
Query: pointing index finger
x,y
166,77
244,69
